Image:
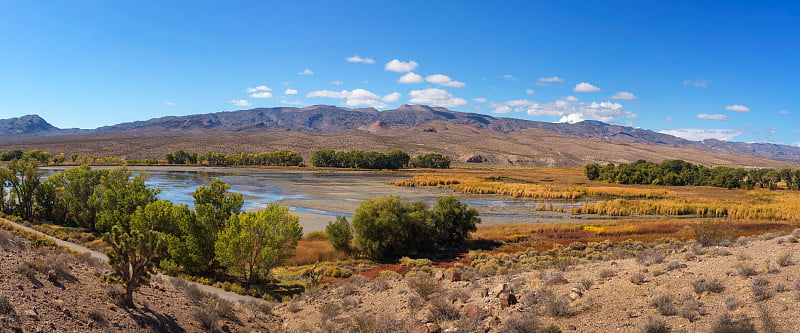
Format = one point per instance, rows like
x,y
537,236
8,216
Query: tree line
x,y
680,173
361,159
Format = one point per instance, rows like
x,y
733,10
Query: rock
x,y
30,313
575,293
476,158
499,289
427,328
439,275
426,316
571,328
52,276
507,299
455,276
474,313
536,280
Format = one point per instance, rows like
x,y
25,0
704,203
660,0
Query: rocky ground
x,y
682,288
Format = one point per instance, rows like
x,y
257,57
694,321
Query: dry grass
x,y
313,251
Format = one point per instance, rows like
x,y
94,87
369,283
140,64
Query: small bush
x,y
761,293
317,236
607,273
655,325
727,324
340,234
415,263
6,308
637,278
746,269
381,324
691,308
443,310
785,259
732,303
708,233
556,306
585,284
208,319
672,265
329,311
648,258
97,316
701,285
459,294
780,287
767,324
664,305
521,323
379,285
424,287
760,282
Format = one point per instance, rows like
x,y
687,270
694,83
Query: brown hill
x,y
463,143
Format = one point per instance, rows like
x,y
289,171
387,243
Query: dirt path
x,y
234,297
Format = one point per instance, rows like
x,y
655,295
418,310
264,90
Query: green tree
x,y
385,227
121,195
23,179
132,257
254,243
213,206
453,221
339,234
75,191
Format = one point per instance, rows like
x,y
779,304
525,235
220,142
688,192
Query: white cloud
x,y
296,102
585,87
356,97
444,80
356,58
290,92
263,94
569,108
392,98
169,103
668,118
737,108
400,67
702,134
510,77
784,111
624,95
257,89
240,102
436,97
337,82
529,91
700,83
551,79
306,72
712,116
796,144
480,100
410,77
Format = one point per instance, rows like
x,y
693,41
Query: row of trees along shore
x,y
680,173
216,239
320,158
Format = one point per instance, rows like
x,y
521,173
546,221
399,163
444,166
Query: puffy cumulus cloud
x,y
400,66
392,98
337,82
356,58
306,72
410,77
712,116
624,95
263,94
529,91
480,100
784,111
436,97
585,87
240,102
737,108
257,89
703,134
290,92
551,79
570,109
796,144
700,83
357,97
444,80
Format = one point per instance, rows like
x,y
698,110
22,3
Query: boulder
x,y
507,299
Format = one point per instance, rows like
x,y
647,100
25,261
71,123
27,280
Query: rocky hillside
x,y
333,119
747,285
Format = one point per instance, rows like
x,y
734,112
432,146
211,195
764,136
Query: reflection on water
x,y
262,187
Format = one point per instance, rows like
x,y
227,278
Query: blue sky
x,y
697,69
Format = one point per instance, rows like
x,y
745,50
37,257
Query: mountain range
x,y
326,119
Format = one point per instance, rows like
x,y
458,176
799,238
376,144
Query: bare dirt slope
x,y
463,143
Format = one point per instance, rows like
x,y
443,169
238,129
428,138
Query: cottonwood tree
x,y
23,179
120,196
253,243
132,257
453,221
76,193
339,234
386,227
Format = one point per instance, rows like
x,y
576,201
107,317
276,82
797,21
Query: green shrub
x,y
317,236
340,234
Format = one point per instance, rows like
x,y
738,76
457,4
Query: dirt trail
x,y
82,249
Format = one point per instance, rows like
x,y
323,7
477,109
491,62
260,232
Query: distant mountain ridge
x,y
327,118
